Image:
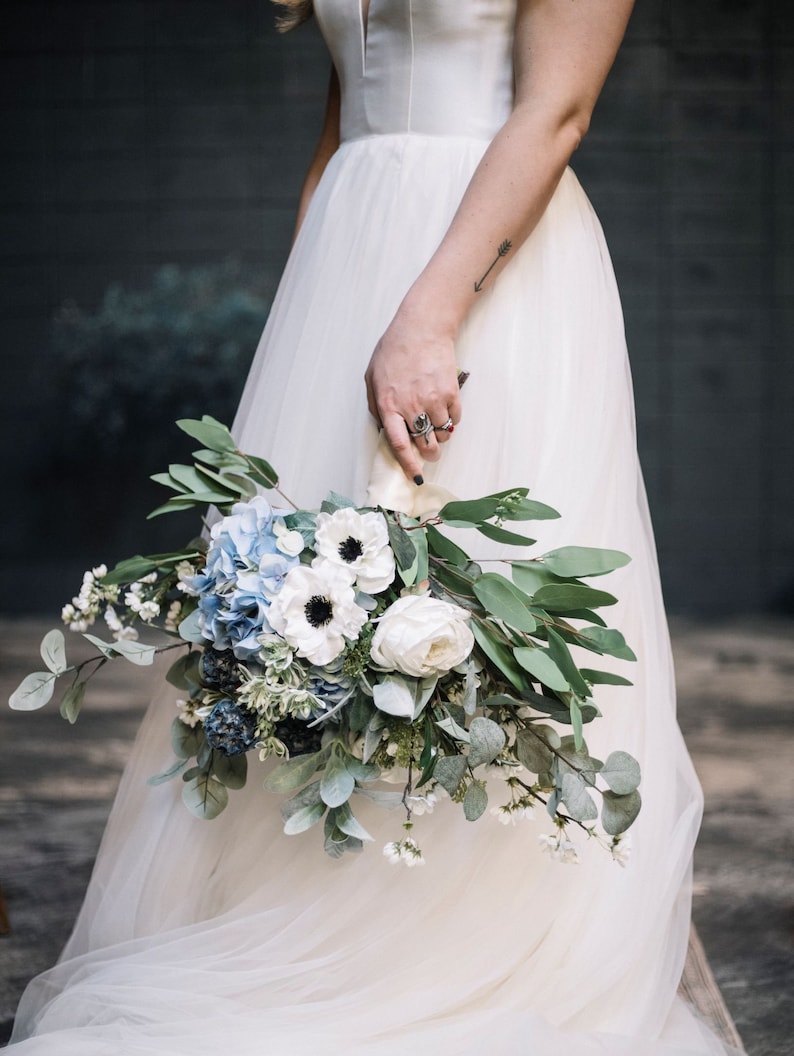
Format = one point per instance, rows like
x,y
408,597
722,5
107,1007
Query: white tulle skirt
x,y
198,938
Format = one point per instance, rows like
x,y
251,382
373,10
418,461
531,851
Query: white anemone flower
x,y
315,611
360,543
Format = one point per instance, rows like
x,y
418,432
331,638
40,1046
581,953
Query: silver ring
x,y
447,427
422,427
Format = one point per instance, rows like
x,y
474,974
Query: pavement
x,y
736,700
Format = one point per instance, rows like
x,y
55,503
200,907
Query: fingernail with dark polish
x,y
419,479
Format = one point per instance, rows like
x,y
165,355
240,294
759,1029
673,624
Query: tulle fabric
x,y
202,937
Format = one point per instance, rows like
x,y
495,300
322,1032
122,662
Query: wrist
x,y
430,307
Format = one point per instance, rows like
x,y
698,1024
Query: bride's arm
x,y
562,53
326,145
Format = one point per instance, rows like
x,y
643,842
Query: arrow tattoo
x,y
504,249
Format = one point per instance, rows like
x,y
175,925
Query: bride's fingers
x,y
402,446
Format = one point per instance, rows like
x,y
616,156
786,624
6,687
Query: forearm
x,y
505,199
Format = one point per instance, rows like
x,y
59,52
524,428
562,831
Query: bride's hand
x,y
413,371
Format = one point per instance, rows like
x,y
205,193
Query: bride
x,y
440,230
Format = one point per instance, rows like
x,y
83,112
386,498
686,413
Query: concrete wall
x,y
142,132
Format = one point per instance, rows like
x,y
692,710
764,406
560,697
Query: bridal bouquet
x,y
361,645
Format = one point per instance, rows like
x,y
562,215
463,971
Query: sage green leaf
x,y
360,712
455,581
333,502
471,513
307,797
303,818
502,599
183,673
561,656
576,721
347,823
419,568
585,615
209,432
204,796
574,759
186,740
577,799
401,543
560,711
618,812
621,772
529,510
262,472
487,741
135,652
293,773
131,569
169,482
190,629
221,459
107,649
336,783
167,775
444,548
532,751
502,535
453,729
605,640
33,691
362,771
605,678
541,666
175,506
230,770
53,651
475,801
584,561
498,654
72,701
385,800
530,576
559,597
449,772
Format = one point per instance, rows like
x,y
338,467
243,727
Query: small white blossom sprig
x,y
86,606
405,851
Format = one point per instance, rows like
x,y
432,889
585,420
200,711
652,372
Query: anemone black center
x,y
350,549
319,610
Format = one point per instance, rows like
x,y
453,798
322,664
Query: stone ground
x,y
736,689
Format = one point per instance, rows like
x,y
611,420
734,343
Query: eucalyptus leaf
x,y
475,801
209,432
584,561
618,812
183,673
53,651
559,597
605,640
186,740
532,751
401,543
471,513
108,649
33,692
190,629
499,654
72,701
262,471
132,569
167,775
606,678
530,576
293,773
453,730
487,741
561,656
577,799
529,510
303,818
502,599
205,796
502,535
333,502
444,548
135,652
449,772
230,770
621,772
540,665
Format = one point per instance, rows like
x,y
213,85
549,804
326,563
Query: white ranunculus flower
x,y
359,542
420,635
315,611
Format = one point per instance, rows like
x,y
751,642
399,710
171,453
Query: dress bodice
x,y
433,67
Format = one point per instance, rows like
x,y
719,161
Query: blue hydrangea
x,y
244,571
229,728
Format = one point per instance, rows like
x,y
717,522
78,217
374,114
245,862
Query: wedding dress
x,y
227,936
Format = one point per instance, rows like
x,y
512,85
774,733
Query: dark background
x,y
143,133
